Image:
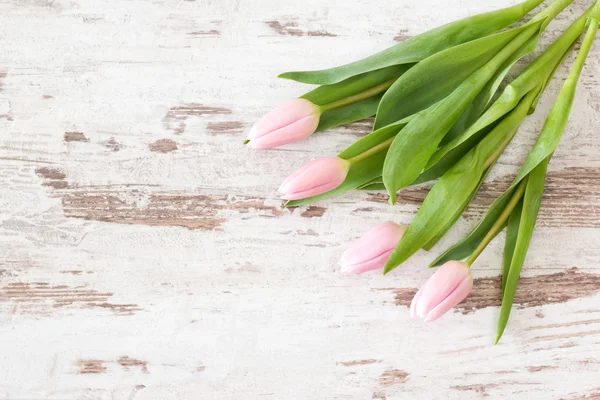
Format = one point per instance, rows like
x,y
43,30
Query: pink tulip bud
x,y
444,290
373,249
316,177
289,122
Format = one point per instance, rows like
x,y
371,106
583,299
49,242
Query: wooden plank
x,y
144,252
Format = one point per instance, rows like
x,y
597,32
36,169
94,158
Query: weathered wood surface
x,y
144,253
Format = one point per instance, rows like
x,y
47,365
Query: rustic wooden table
x,y
144,253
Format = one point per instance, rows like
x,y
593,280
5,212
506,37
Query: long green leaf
x,y
459,210
437,76
373,139
546,144
413,147
512,231
531,205
352,113
327,94
421,46
373,184
467,245
444,158
449,196
482,101
535,74
469,117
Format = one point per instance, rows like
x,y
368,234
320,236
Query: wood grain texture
x,y
145,254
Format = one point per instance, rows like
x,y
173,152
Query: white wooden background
x,y
144,253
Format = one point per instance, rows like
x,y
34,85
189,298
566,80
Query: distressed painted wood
x,y
144,253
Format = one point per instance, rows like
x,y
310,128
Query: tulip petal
x,y
292,132
312,191
316,173
441,285
281,116
414,302
380,239
314,178
368,265
297,172
458,295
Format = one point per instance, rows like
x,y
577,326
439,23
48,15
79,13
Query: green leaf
x,y
421,46
482,101
438,169
359,173
413,147
439,208
553,57
512,230
536,73
450,195
372,139
436,77
535,167
326,94
374,184
466,246
531,205
491,146
352,113
459,210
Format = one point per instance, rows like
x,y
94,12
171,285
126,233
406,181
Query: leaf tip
x,y
388,267
246,141
392,198
499,334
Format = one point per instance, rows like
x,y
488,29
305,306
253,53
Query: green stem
x,y
382,87
497,227
524,106
550,12
586,45
373,150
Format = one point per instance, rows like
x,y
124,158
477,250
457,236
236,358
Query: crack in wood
x,y
128,362
175,118
291,29
359,362
163,146
393,377
75,137
225,128
402,35
207,33
314,212
41,298
91,367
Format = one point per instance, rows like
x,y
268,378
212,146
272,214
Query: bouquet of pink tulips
x,y
439,114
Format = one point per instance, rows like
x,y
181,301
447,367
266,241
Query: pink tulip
x,y
444,290
316,177
289,122
373,249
